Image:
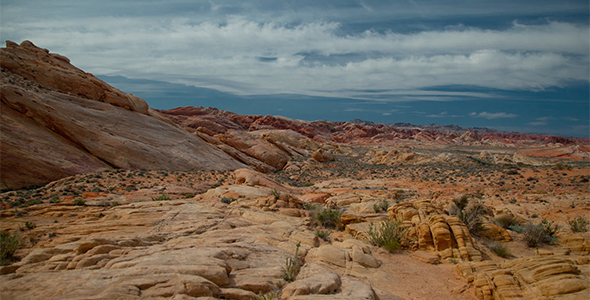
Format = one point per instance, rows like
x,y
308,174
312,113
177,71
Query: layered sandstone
x,y
62,121
434,230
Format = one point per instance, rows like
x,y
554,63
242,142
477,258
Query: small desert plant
x,y
381,206
268,296
54,199
227,200
550,230
162,197
8,245
310,206
30,225
330,218
500,249
470,213
276,193
533,234
323,234
516,228
505,221
388,235
79,202
291,267
462,202
578,225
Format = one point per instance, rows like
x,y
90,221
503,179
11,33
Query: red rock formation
x,y
62,121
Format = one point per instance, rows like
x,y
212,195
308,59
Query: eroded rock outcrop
x,y
537,277
63,121
433,230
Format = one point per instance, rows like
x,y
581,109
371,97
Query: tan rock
x,y
322,155
528,278
259,149
333,255
312,279
253,178
434,230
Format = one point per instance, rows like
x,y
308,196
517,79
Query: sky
x,y
508,65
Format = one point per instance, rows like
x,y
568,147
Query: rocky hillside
x,y
213,121
59,121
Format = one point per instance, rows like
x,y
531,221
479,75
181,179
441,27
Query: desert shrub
x,y
79,202
276,193
388,235
381,206
516,228
462,202
550,230
470,213
268,296
30,225
533,234
323,234
227,200
505,221
162,197
54,199
578,225
500,249
291,267
8,245
330,218
310,206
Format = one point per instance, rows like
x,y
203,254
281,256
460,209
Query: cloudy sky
x,y
509,65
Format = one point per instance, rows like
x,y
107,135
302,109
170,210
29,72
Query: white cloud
x,y
491,116
444,114
538,123
226,56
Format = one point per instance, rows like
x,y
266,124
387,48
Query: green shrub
x,y
533,234
516,228
30,225
578,225
469,213
276,193
8,246
388,235
505,221
79,202
330,218
500,249
227,200
311,206
381,206
323,234
268,296
162,197
550,230
291,267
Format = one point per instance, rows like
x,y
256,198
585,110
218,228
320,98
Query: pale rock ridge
x,y
537,277
63,121
54,71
